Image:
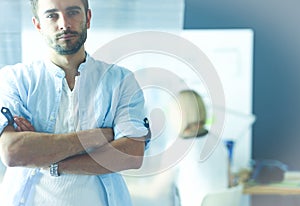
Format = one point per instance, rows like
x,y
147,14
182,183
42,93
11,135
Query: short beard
x,y
73,48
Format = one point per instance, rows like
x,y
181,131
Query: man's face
x,y
64,24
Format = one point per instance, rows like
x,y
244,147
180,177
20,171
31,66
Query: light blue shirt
x,y
109,96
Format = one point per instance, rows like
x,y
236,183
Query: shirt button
x,y
22,201
33,173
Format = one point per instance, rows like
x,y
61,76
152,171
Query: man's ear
x,y
88,18
36,23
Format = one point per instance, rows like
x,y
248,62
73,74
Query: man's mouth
x,y
66,36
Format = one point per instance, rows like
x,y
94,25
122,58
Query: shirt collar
x,y
83,64
57,71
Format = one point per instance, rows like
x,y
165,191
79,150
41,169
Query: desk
x,y
289,186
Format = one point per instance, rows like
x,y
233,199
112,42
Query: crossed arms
x,y
27,148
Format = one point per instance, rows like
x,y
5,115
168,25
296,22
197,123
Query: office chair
x,y
227,197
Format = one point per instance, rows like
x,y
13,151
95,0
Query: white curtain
x,y
10,33
10,48
138,14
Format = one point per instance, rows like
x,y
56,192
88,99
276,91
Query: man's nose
x,y
64,23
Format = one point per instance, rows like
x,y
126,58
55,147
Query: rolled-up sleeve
x,y
6,94
10,95
130,114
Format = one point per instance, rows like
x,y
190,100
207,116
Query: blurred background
x,y
271,78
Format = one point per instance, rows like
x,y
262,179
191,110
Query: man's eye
x,y
52,16
73,13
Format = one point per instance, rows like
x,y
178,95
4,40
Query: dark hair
x,y
34,6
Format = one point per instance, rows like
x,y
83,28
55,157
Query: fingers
x,y
23,124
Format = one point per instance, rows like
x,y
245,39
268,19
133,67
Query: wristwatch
x,y
54,170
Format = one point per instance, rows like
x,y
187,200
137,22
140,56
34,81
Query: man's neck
x,y
69,63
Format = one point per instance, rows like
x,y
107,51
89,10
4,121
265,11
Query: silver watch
x,y
54,170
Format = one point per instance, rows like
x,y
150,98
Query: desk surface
x,y
289,186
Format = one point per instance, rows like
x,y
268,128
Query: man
x,y
79,120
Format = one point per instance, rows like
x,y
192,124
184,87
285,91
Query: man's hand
x,y
23,124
